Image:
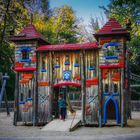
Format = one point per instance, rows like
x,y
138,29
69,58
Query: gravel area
x,y
8,130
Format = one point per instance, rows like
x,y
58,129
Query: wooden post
x,y
83,85
129,92
51,83
123,91
35,100
100,96
6,103
122,99
128,87
16,98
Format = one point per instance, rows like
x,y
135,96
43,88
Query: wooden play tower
x,y
98,69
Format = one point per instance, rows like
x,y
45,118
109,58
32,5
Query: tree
x,y
60,27
127,13
13,16
124,11
39,7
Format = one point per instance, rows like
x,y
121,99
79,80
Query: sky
x,y
83,8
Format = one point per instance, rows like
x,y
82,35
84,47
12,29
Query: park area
x,y
69,69
10,132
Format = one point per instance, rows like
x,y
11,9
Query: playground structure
x,y
3,94
98,69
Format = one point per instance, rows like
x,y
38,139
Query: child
x,y
62,107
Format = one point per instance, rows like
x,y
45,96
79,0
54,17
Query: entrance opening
x,y
111,110
71,94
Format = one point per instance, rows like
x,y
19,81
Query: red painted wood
x,y
67,84
110,66
89,45
112,27
28,33
25,69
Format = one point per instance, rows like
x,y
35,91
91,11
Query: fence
x,y
10,105
135,105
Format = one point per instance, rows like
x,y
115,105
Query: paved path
x,y
10,132
102,137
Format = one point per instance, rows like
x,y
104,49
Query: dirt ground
x,y
8,130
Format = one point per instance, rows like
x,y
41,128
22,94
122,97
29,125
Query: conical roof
x,y
112,27
29,33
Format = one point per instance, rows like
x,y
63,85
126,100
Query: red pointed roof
x,y
29,33
112,27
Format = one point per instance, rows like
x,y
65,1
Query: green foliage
x,y
123,10
111,51
13,16
60,27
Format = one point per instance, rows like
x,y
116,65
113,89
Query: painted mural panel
x,y
66,66
25,54
26,93
43,88
92,105
111,62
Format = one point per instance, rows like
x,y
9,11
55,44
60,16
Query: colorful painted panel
x,y
26,92
111,54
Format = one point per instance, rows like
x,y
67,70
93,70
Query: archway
x,y
110,101
62,89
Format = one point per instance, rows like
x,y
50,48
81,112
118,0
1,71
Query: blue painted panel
x,y
116,108
112,44
43,70
111,57
57,66
25,49
76,65
29,99
67,63
91,68
25,60
21,102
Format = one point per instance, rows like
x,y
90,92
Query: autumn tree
x,y
60,27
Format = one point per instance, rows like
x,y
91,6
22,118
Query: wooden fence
x,y
135,105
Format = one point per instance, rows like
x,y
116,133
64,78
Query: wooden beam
x,y
16,98
6,103
83,85
51,75
123,92
137,85
100,97
35,100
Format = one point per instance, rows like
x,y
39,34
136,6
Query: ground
x,y
10,132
